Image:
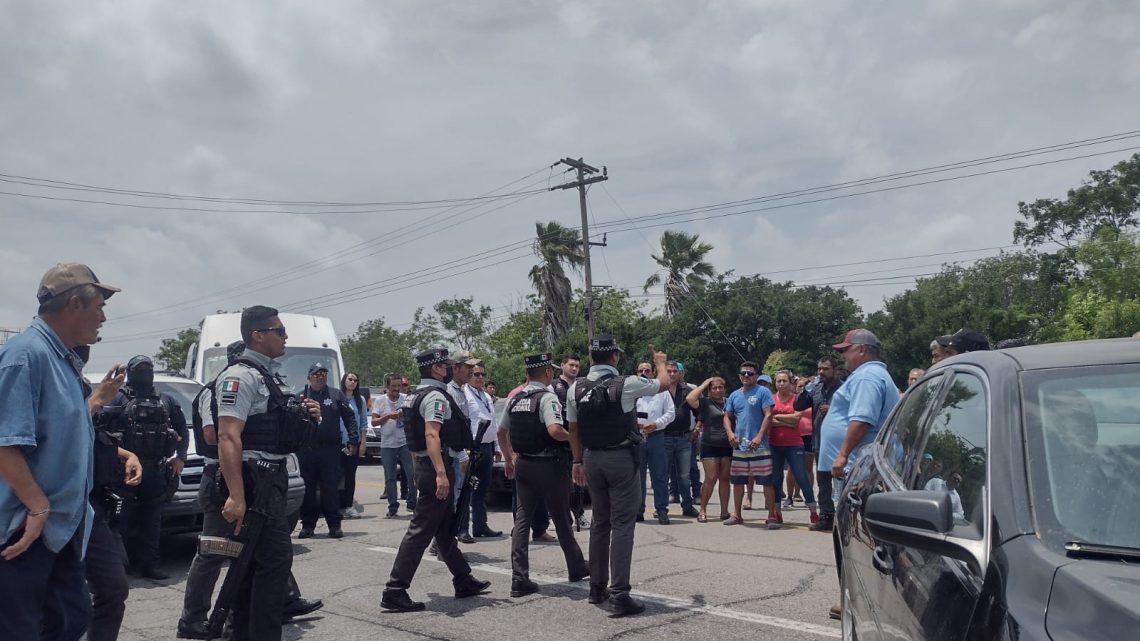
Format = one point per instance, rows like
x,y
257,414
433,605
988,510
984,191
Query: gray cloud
x,y
687,104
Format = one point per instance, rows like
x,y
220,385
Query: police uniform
x,y
432,518
322,468
269,435
578,504
205,568
611,464
541,472
104,565
148,421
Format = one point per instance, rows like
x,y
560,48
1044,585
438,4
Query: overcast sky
x,y
686,103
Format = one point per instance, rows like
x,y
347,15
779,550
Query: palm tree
x,y
556,246
683,259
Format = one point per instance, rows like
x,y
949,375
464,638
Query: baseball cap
x,y
138,361
605,343
764,378
466,357
858,336
65,276
680,366
317,367
967,340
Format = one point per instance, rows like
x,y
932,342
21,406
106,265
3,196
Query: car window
x,y
954,449
899,447
1082,429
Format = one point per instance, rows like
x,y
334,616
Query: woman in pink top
x,y
787,444
809,456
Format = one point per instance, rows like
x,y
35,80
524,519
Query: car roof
x,y
1115,351
159,377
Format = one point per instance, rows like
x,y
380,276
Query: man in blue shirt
x,y
47,458
746,415
857,412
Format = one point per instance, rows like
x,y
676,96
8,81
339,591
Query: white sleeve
x,y
668,411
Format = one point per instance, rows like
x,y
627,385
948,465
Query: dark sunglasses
x,y
280,331
748,373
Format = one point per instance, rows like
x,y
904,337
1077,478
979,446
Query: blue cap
x,y
764,378
680,366
317,367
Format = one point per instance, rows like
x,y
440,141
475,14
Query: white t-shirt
x,y
391,431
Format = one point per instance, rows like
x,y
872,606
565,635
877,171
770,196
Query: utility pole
x,y
584,170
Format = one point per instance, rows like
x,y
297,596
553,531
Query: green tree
x,y
172,352
1103,300
518,336
558,247
377,349
682,259
1108,202
465,325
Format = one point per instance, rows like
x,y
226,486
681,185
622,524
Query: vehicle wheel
x,y
846,621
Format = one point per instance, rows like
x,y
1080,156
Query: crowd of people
x,y
559,434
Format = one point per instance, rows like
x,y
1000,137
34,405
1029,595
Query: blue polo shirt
x,y
43,410
748,412
868,395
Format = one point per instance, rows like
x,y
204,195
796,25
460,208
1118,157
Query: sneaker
x,y
780,518
399,601
814,517
732,520
663,519
391,513
305,533
691,512
357,506
824,524
772,523
584,522
788,504
351,513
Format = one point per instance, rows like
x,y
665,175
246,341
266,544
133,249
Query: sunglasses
x,y
479,374
280,331
748,373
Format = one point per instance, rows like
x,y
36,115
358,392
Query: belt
x,y
624,444
537,457
655,433
425,457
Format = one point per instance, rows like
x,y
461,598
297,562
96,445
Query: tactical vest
x,y
561,389
528,431
601,421
285,426
198,422
454,433
147,432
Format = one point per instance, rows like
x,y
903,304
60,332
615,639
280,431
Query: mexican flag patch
x,y
230,385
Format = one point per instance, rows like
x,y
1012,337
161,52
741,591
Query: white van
x,y
312,339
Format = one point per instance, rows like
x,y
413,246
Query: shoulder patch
x,y
230,385
438,411
228,391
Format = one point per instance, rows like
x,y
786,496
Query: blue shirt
x,y
747,408
868,395
43,411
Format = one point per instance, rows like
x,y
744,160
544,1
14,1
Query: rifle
x,y
241,547
577,505
471,483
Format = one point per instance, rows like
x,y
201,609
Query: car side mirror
x,y
919,519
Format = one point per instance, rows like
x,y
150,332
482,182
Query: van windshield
x,y
1083,437
294,364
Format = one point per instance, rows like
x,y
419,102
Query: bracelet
x,y
40,513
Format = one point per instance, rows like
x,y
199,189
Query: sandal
x,y
724,517
733,520
702,518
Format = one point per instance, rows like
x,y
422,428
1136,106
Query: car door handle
x,y
854,501
881,561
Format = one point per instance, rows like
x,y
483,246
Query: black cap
x,y
317,367
967,340
433,356
538,360
141,359
605,343
943,341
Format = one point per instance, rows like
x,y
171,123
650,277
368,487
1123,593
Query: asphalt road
x,y
699,581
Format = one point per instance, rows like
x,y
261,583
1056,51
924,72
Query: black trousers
x,y
549,480
258,610
105,568
45,594
349,465
321,470
141,521
826,500
431,520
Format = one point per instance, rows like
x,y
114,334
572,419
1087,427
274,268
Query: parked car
x,y
1000,500
182,513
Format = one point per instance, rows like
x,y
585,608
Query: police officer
x,y
571,364
260,420
433,424
106,559
204,569
153,428
604,439
322,468
535,448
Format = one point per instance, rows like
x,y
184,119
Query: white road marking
x,y
662,599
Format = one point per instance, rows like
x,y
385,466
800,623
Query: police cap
x,y
317,367
139,361
433,356
535,361
605,343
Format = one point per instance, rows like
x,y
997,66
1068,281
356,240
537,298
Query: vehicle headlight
x,y
291,464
